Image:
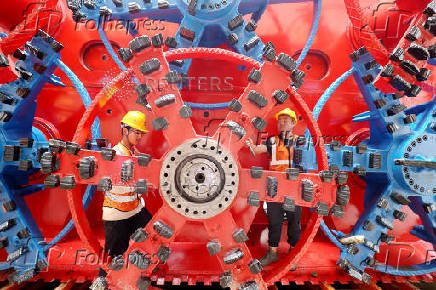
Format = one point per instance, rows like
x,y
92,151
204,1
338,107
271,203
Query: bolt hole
x,y
204,212
179,206
104,57
173,199
173,158
195,212
168,166
200,177
109,111
212,147
220,205
166,174
186,210
179,152
226,199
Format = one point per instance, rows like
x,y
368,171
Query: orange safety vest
x,y
281,155
117,198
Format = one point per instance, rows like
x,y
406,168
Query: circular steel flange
x,y
420,179
199,179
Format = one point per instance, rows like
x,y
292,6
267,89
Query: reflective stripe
x,y
124,151
121,206
120,189
283,159
120,198
121,150
280,162
113,214
273,151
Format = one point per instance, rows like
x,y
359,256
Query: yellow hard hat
x,y
135,119
287,112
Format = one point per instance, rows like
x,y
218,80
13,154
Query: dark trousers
x,y
275,214
117,233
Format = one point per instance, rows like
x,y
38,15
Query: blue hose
x,y
112,52
87,197
256,16
110,49
317,7
331,234
95,129
86,99
327,93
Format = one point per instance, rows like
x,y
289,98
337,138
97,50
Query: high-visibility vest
x,y
281,155
120,197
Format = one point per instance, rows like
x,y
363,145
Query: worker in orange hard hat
x,y
123,209
280,149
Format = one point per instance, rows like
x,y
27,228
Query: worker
x,y
123,209
280,149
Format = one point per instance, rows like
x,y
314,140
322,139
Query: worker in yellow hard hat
x,y
132,129
280,149
123,209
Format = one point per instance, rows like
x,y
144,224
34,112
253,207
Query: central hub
x,y
199,179
421,178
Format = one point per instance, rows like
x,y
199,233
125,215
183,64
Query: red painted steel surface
x,y
328,58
